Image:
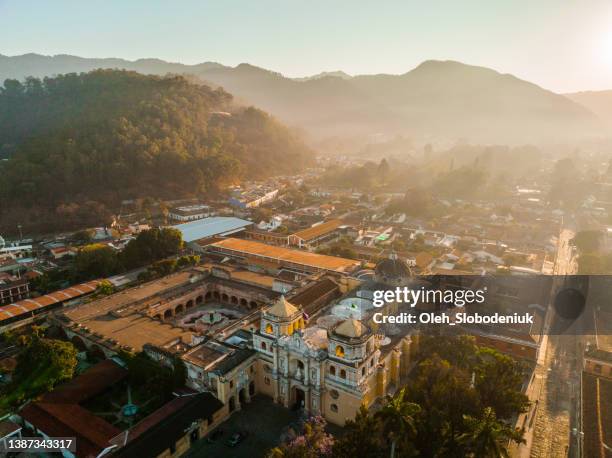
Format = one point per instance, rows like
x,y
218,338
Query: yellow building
x,y
326,372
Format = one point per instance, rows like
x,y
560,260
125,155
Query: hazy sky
x,y
563,45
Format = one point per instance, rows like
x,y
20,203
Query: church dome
x,y
392,271
352,328
283,308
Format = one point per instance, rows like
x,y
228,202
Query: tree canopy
x,y
109,135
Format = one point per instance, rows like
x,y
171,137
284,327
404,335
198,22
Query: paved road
x,y
557,379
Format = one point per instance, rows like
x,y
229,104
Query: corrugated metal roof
x,y
210,227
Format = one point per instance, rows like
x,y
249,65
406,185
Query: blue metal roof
x,y
209,227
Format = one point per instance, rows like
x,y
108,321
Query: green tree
x,y
397,419
588,241
96,260
43,364
363,437
105,288
486,437
150,246
499,381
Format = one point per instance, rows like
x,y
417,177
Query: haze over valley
x,y
437,100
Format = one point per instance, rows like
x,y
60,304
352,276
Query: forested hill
x,y
111,135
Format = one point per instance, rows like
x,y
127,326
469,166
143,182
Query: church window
x,y
332,370
340,351
269,329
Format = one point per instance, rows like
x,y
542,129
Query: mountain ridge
x,y
436,99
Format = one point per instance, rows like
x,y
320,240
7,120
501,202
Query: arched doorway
x,y
242,396
243,302
224,297
179,309
299,398
234,300
232,404
190,303
167,314
216,295
252,388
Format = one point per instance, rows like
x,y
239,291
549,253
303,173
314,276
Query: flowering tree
x,y
314,442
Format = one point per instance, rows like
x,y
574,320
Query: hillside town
x,y
266,300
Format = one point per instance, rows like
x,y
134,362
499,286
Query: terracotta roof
x,y
30,305
282,308
313,232
58,413
280,254
351,328
308,298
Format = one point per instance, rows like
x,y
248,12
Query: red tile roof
x,y
29,305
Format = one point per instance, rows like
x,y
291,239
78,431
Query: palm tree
x,y
397,418
487,437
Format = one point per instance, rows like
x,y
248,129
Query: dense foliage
x,y
41,364
151,246
461,400
78,141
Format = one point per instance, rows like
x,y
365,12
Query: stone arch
x,y
252,304
190,303
225,297
343,374
158,317
78,343
242,396
243,302
264,346
179,309
234,300
167,314
216,295
208,295
199,299
232,403
332,370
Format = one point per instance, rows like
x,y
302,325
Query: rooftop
x,y
210,227
351,328
29,305
282,308
135,330
318,230
277,253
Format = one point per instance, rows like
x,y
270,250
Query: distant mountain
x,y
436,100
599,102
336,74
